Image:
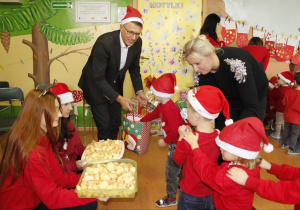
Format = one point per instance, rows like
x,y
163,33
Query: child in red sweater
x,y
169,113
285,80
287,190
203,104
270,118
240,146
291,114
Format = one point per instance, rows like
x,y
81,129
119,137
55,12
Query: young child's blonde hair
x,y
250,164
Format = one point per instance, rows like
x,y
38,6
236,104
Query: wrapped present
x,y
156,127
135,134
137,109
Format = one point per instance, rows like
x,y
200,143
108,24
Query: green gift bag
x,y
135,134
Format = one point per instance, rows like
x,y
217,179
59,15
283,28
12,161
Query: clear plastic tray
x,y
111,193
119,157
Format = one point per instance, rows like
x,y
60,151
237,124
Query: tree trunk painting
x,y
41,67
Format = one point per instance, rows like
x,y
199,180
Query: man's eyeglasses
x,y
131,33
47,90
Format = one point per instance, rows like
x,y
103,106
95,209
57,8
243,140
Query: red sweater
x,y
276,97
291,103
285,191
227,194
191,183
214,43
74,150
42,180
260,53
171,119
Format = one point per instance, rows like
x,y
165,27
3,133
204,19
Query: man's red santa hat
x,y
132,15
209,101
164,86
63,92
243,138
287,76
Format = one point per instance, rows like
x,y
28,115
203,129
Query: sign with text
x,y
62,5
87,12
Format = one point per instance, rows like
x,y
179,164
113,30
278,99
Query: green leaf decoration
x,y
63,37
26,15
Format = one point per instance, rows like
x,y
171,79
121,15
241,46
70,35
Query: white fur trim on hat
x,y
199,108
271,85
249,155
284,79
66,98
161,94
132,19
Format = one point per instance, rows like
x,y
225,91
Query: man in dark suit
x,y
103,75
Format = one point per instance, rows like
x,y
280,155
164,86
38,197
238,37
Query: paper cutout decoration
x,y
259,33
296,58
280,46
242,34
270,44
229,32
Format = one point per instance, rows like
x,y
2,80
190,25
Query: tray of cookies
x,y
104,149
115,178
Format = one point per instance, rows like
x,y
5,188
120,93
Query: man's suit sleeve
x,y
100,62
134,68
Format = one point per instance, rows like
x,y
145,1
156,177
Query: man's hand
x,y
126,103
141,98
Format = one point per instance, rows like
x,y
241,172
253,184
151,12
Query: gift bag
x,y
135,134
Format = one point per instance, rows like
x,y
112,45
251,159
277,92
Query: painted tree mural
x,y
34,15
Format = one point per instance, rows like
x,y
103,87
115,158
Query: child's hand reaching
x,y
192,139
162,143
237,175
183,130
265,164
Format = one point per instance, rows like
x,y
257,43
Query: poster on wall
x,y
96,12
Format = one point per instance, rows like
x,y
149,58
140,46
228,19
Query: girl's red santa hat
x,y
272,82
209,101
243,138
164,86
132,15
287,76
63,92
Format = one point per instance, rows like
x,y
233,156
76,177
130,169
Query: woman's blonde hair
x,y
250,164
24,136
199,47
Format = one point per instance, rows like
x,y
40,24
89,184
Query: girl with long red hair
x,y
30,176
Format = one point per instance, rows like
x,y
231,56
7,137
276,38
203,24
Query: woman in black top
x,y
235,72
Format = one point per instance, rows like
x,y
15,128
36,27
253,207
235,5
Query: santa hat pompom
x,y
243,138
268,148
164,86
209,101
228,122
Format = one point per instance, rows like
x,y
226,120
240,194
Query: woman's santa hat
x,y
272,82
209,101
287,76
243,138
132,15
63,92
164,86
